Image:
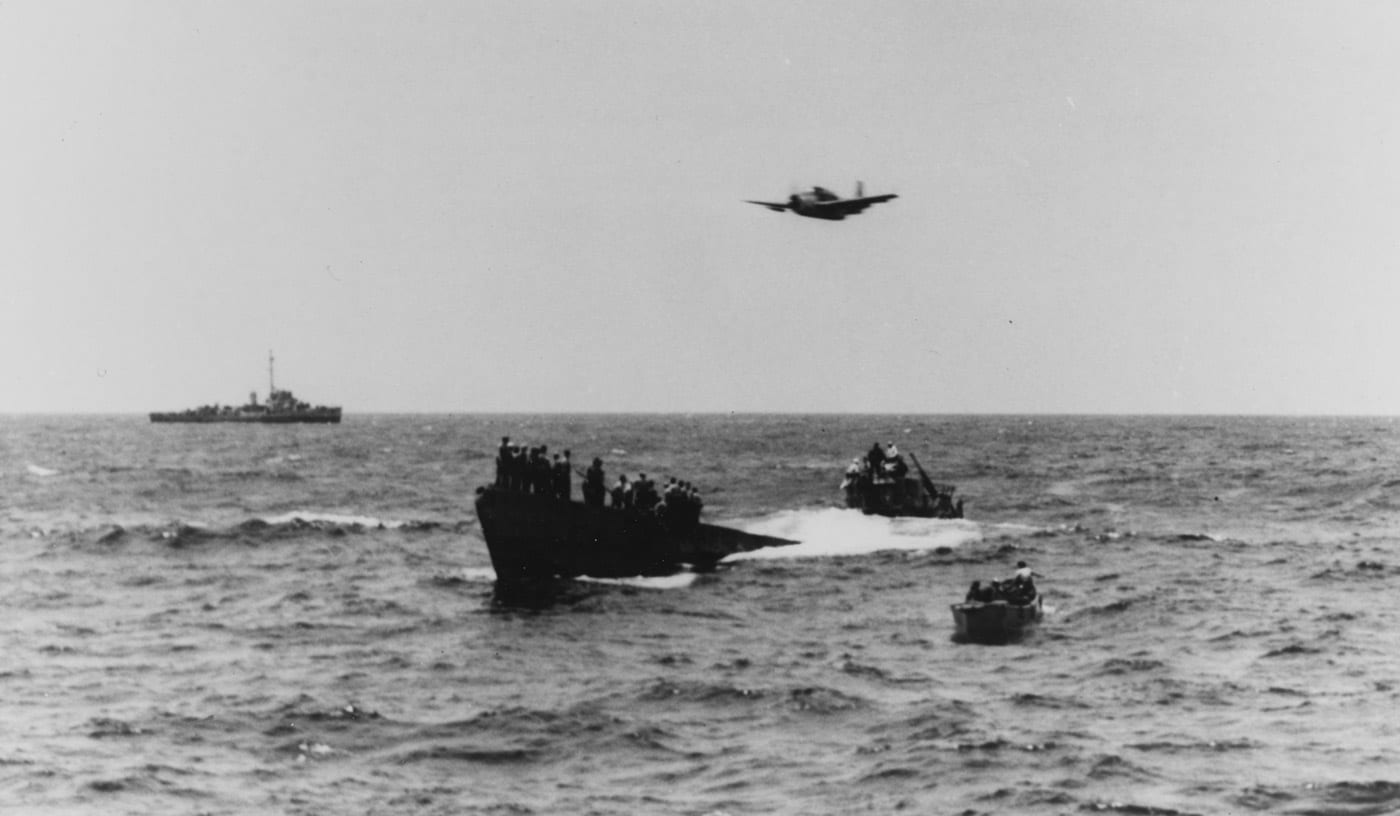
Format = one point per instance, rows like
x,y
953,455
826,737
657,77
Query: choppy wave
x,y
288,525
805,699
336,519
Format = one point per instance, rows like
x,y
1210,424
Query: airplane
x,y
820,202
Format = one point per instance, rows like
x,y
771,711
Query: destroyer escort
x,y
281,407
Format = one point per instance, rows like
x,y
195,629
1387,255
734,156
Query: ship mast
x,y
271,387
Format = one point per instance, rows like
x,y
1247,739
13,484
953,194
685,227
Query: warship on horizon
x,y
281,406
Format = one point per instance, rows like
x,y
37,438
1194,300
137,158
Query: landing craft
x,y
820,202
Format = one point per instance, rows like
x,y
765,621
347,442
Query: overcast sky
x,y
1104,207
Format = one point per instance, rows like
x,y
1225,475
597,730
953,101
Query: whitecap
x,y
40,471
332,518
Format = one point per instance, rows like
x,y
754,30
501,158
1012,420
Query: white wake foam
x,y
40,471
679,580
833,531
477,574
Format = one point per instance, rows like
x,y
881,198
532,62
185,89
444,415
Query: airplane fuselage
x,y
820,202
807,204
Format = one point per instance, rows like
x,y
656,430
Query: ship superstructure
x,y
281,406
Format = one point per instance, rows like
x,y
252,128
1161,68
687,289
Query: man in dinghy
x,y
1001,612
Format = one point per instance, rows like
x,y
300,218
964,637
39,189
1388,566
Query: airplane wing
x,y
774,206
851,206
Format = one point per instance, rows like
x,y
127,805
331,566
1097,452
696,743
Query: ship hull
x,y
328,417
902,497
995,621
536,538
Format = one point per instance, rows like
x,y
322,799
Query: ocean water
x,y
231,619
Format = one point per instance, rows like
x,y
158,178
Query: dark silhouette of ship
x,y
534,537
885,487
1000,611
281,406
997,621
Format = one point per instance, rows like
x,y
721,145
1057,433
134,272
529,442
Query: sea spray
x,y
831,531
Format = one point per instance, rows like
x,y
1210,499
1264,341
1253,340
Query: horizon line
x,y
754,412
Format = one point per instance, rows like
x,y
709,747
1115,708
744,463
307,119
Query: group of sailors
x,y
876,482
1018,589
678,501
877,465
530,470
